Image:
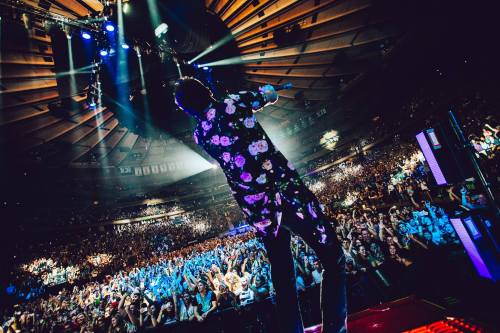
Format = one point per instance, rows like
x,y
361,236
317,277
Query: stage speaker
x,y
444,154
477,234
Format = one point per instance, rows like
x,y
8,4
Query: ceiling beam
x,y
275,21
353,31
73,6
266,14
338,22
318,47
94,5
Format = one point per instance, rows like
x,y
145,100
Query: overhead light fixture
x,y
86,35
67,31
161,29
103,53
126,8
109,27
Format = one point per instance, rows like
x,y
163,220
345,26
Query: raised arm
x,y
153,318
244,266
257,99
418,242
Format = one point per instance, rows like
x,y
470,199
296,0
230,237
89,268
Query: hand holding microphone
x,y
270,92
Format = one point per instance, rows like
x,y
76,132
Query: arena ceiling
x,y
323,47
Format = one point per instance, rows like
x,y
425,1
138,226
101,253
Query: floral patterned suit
x,y
260,177
273,197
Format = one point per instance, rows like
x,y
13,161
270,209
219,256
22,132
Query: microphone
x,y
284,86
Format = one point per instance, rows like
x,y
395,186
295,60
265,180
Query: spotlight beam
x,y
81,70
122,65
227,62
213,47
154,13
72,82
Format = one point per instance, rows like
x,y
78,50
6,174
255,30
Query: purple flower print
x,y
226,157
211,114
249,199
311,210
252,149
206,125
262,225
261,179
249,122
262,146
215,140
239,160
225,141
230,108
253,198
246,177
243,186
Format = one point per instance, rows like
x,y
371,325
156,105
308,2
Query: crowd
x,y
91,254
480,124
145,274
171,271
392,174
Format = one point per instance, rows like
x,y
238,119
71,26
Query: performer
x,y
271,194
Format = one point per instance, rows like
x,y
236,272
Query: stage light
x,y
230,61
86,35
109,26
103,53
125,46
223,41
126,8
205,68
161,29
68,35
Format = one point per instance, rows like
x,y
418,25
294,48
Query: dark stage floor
x,y
407,315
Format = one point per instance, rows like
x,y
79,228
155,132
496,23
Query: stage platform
x,y
409,315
